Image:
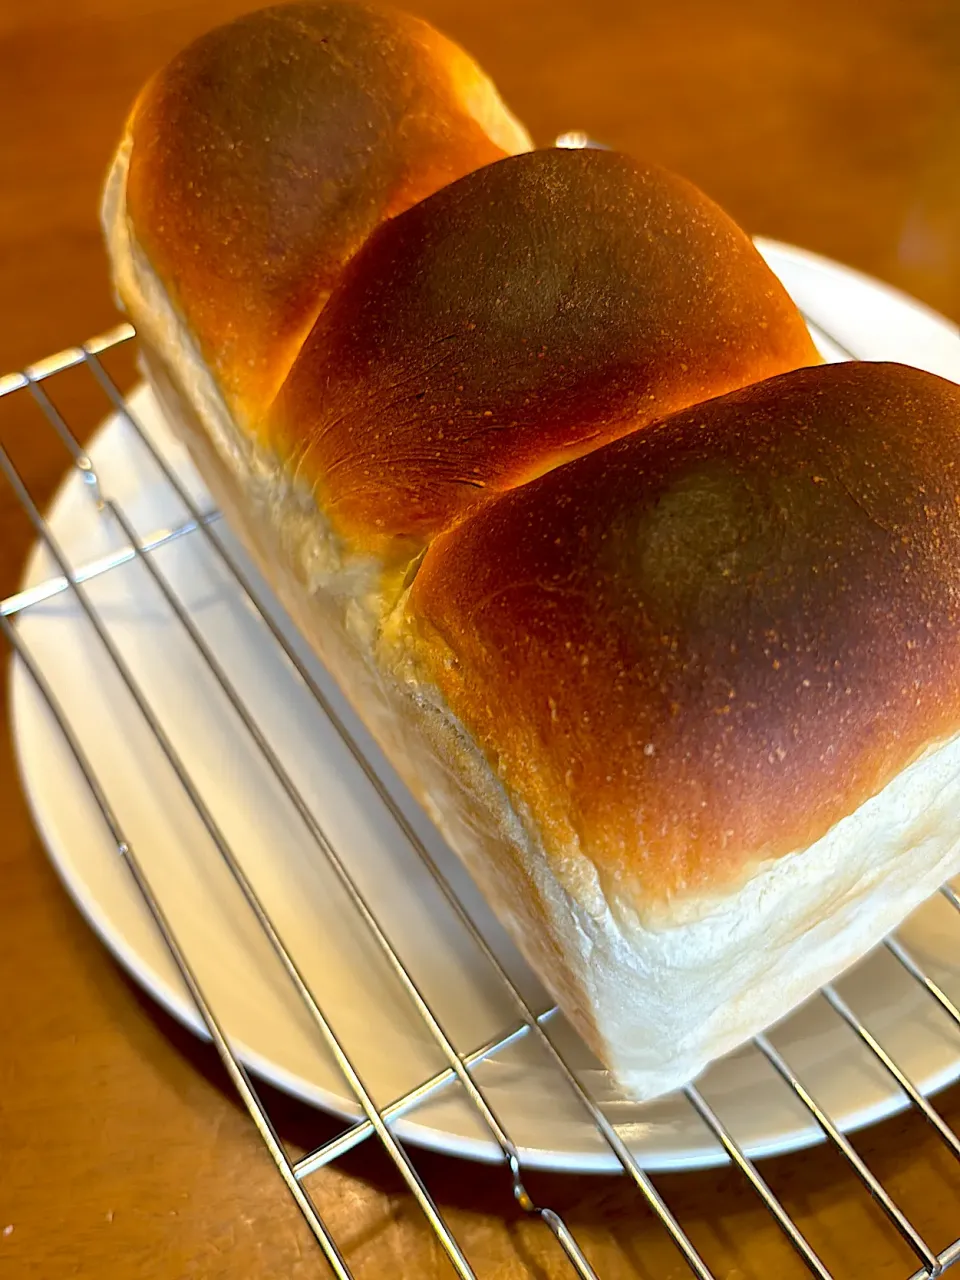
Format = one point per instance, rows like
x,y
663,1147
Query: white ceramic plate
x,y
357,990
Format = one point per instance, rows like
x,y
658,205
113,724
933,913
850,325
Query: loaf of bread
x,y
657,615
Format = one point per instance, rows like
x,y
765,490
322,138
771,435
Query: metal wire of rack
x,y
460,1067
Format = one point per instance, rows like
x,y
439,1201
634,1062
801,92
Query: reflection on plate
x,y
361,996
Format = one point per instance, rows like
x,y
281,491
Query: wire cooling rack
x,y
377,1124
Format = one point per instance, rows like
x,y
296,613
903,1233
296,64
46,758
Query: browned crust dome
x,y
706,643
266,152
527,313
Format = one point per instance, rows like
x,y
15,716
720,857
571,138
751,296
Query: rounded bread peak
x,y
532,310
705,644
266,152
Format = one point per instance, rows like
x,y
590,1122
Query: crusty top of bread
x,y
267,151
673,647
676,650
528,312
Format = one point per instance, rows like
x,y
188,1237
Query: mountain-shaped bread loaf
x,y
656,614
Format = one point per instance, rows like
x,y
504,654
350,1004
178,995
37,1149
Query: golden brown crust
x,y
703,645
529,312
267,151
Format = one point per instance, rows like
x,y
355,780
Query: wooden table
x,y
123,1153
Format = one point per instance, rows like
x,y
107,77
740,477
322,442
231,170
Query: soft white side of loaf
x,y
671,994
271,491
660,992
138,290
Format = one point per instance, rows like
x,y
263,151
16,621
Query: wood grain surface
x,y
123,1153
